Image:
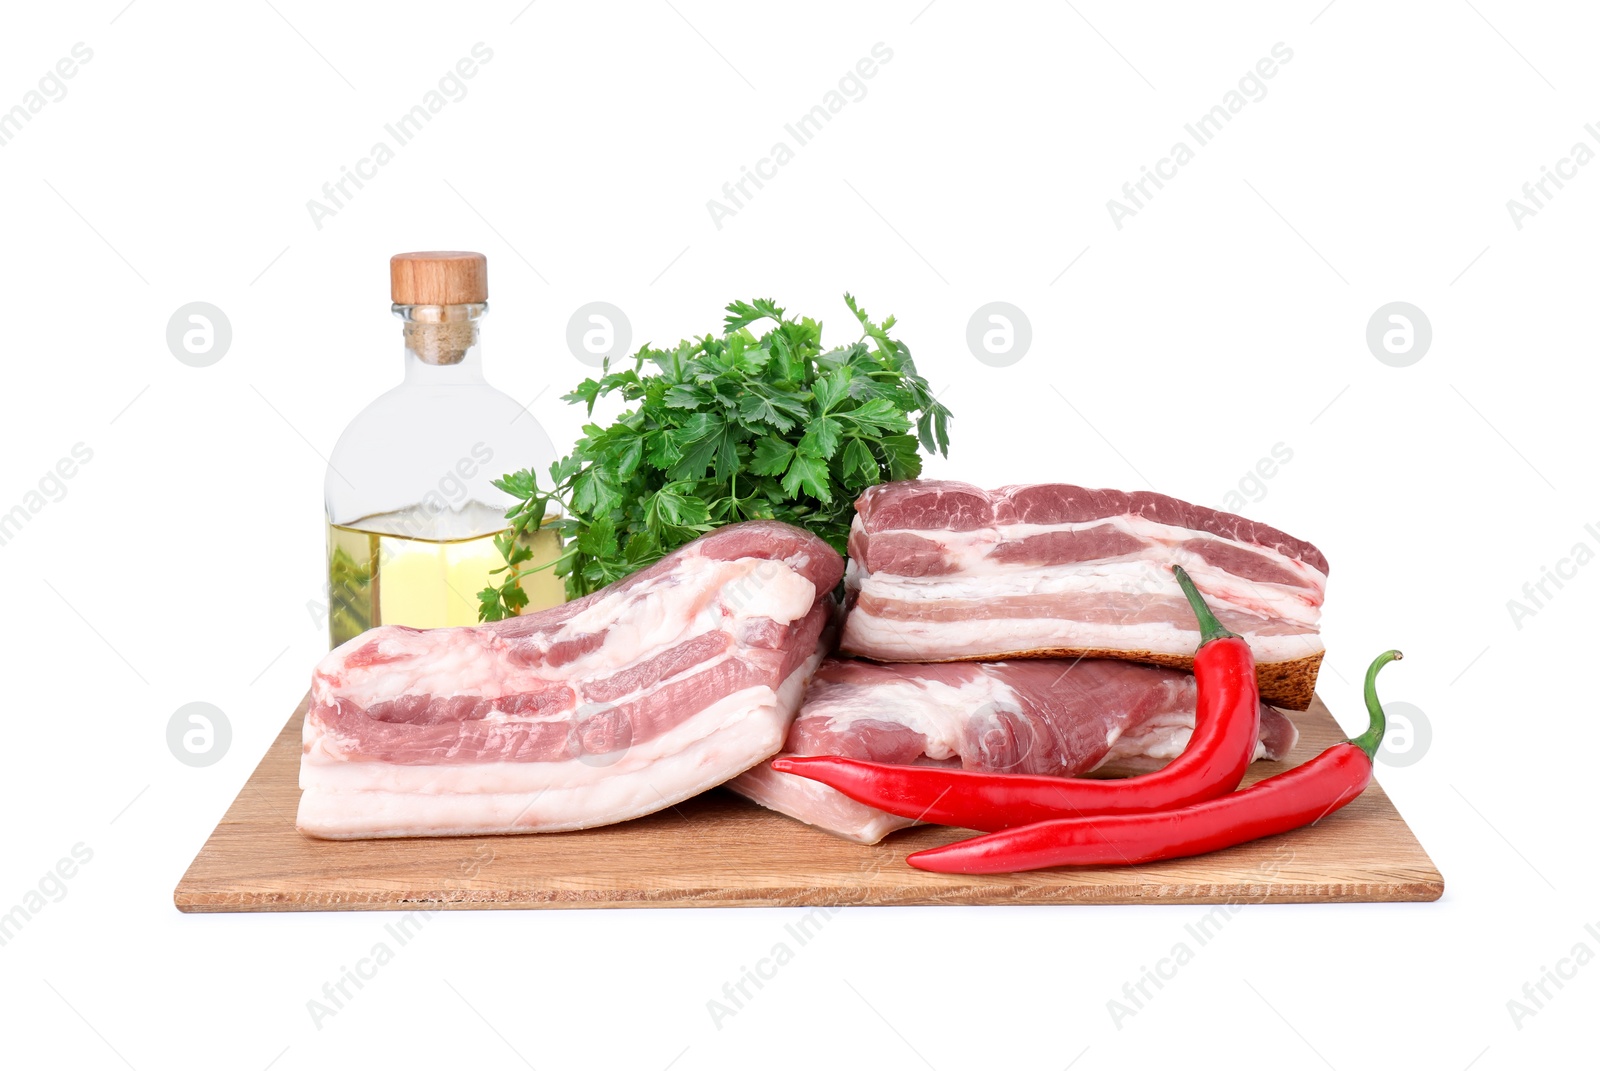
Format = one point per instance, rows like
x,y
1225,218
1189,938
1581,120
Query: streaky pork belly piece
x,y
1039,716
618,704
942,571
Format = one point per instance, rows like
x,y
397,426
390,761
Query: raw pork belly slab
x,y
618,704
1043,716
941,571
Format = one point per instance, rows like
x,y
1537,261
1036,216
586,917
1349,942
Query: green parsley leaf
x,y
757,421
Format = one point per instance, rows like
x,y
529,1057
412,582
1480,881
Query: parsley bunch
x,y
725,428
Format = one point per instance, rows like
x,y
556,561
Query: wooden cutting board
x,y
719,850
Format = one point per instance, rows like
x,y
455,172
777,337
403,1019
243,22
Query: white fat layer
x,y
938,711
323,746
970,550
1134,576
328,771
1160,742
702,753
651,616
697,596
816,804
889,640
1150,571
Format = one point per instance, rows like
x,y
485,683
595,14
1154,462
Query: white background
x,y
1227,316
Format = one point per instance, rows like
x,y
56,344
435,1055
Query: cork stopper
x,y
439,278
444,294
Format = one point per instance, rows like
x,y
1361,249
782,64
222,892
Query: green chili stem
x,y
1210,627
1376,722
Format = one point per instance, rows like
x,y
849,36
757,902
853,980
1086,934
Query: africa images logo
x,y
1252,88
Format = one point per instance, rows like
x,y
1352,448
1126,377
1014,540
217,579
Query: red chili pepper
x,y
1299,797
1227,722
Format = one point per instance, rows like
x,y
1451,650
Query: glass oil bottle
x,y
412,512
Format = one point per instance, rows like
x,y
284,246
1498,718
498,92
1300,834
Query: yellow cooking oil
x,y
379,573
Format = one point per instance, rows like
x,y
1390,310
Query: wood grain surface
x,y
718,850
